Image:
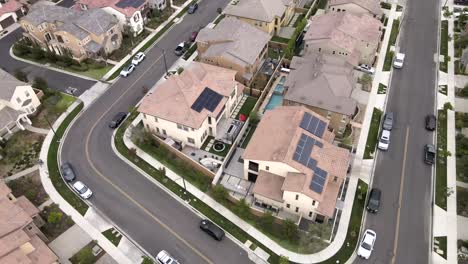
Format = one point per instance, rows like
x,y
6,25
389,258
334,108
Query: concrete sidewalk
x,y
69,243
21,173
36,129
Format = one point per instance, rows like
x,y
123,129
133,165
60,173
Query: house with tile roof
x,y
358,7
323,83
21,240
18,100
10,12
82,34
297,168
189,107
267,15
234,44
132,13
354,37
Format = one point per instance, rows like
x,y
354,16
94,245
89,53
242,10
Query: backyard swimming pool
x,y
275,100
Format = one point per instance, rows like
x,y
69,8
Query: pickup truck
x,y
429,154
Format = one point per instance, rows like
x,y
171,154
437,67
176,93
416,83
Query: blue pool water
x,y
279,89
275,100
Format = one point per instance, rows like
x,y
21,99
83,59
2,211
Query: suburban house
x,y
189,107
129,13
21,240
82,34
297,168
10,12
322,83
358,7
267,15
354,37
17,101
234,44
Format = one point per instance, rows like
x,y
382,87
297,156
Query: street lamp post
x,y
164,57
51,128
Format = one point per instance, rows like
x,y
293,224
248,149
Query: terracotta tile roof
x,y
262,10
127,11
27,206
12,241
16,257
12,216
373,6
41,254
10,7
269,185
4,190
172,99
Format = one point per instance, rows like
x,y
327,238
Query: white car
x,y
127,70
164,258
384,140
367,244
82,190
139,57
366,68
398,60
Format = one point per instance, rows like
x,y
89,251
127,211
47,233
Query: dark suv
x,y
431,122
117,120
211,229
67,172
373,203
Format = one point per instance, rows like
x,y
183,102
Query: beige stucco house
x,y
354,37
188,108
17,101
358,7
267,15
323,83
83,34
234,44
297,168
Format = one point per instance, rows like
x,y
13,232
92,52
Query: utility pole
x,y
51,128
164,57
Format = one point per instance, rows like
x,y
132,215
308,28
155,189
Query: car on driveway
x,y
139,57
366,68
180,49
211,229
429,154
373,203
431,122
399,60
384,140
127,70
192,8
82,190
165,258
117,120
388,121
67,172
367,244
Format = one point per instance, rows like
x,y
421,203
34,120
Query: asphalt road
x,y
150,216
403,228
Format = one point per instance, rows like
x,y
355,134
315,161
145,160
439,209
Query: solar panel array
x,y
303,149
318,180
313,124
129,3
208,99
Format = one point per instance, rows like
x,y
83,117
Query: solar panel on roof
x,y
319,144
303,150
318,180
129,3
313,124
208,99
316,187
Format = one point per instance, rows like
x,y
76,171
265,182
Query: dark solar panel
x,y
313,124
208,99
129,3
316,187
319,144
311,164
304,148
318,180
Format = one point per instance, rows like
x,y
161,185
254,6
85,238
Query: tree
x,y
220,193
242,209
290,230
219,10
283,260
266,221
54,217
132,152
40,83
21,75
85,256
448,106
254,117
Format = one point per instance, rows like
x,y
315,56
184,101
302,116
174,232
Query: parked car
x,y
431,122
82,190
117,120
194,35
67,172
398,60
366,68
180,49
373,203
127,70
165,258
71,90
211,229
429,154
192,8
139,57
388,121
367,244
461,2
384,140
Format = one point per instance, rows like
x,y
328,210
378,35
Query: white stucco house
x,y
189,107
17,101
10,12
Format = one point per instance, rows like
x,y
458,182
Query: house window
x,y
18,100
209,120
59,39
333,52
48,37
27,93
179,126
253,166
157,130
267,167
310,214
313,202
136,18
191,140
320,49
288,205
297,209
147,126
156,119
144,116
297,197
164,132
329,115
335,179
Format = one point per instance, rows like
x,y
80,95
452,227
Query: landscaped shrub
x,y
242,209
54,217
37,53
266,221
220,193
20,75
290,231
40,83
82,67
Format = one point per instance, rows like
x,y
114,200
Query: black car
x,y
431,122
192,8
67,172
387,123
429,154
117,120
461,2
211,229
374,200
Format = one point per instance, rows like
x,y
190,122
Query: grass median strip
x,y
444,45
53,166
113,236
373,134
391,42
441,162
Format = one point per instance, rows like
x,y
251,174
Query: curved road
x,y
150,216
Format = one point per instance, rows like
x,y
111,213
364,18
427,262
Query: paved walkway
x,y
461,80
69,243
462,227
21,173
36,129
461,104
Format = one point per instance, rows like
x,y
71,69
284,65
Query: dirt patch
x,y
31,187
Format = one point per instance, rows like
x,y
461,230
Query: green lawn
x,y
248,137
442,245
382,89
272,53
372,137
223,153
391,42
93,73
441,163
444,44
247,107
112,236
53,166
279,39
190,51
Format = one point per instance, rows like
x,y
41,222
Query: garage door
x,y
7,21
